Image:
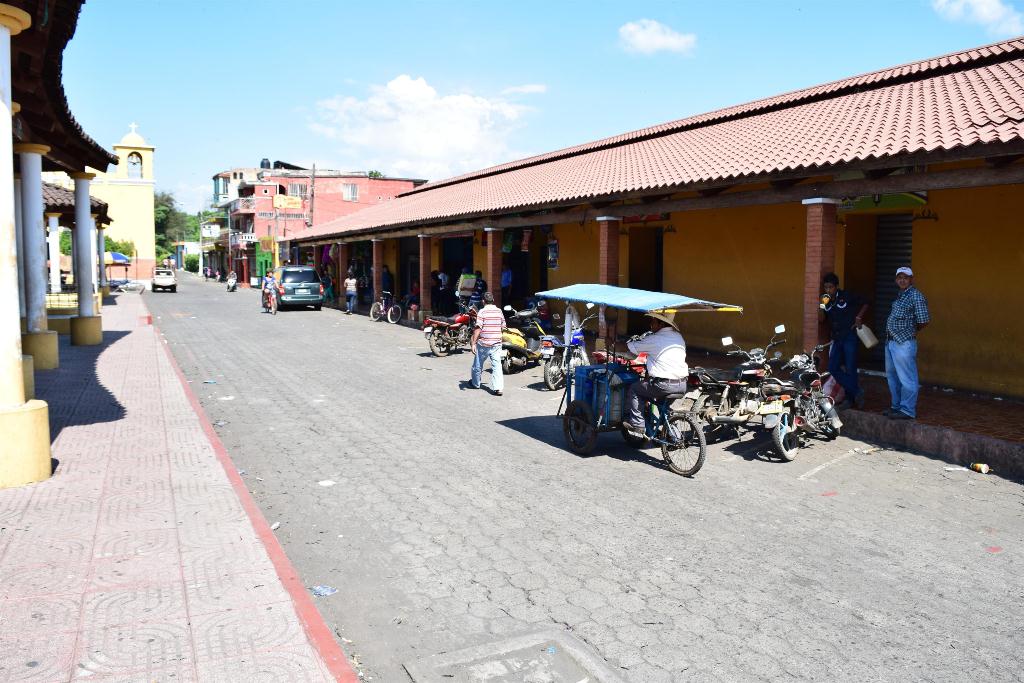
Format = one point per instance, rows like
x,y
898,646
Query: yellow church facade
x,y
128,189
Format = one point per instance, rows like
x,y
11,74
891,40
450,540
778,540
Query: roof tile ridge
x,y
999,51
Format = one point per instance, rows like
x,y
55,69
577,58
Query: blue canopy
x,y
635,299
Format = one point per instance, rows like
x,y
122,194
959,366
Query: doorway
x,y
646,267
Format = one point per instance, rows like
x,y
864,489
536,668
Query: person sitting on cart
x,y
666,368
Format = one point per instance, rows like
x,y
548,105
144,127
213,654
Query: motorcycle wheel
x,y
554,378
394,314
506,364
702,406
438,347
631,440
685,456
785,438
579,429
376,312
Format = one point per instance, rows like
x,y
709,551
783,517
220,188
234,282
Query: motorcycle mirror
x,y
507,308
780,329
556,316
589,306
778,354
726,341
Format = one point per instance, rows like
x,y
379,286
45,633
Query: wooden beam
x,y
876,173
785,183
712,191
1003,161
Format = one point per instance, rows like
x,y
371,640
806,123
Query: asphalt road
x,y
458,518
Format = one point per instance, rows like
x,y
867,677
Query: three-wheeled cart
x,y
596,395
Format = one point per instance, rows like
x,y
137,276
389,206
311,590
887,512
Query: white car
x,y
164,278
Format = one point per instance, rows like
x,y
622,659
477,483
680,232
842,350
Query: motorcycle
x,y
737,398
520,340
561,359
232,283
807,409
449,333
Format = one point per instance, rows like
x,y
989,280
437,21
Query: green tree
x,y
172,224
192,263
374,174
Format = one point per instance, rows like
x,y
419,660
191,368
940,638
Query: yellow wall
x,y
968,264
577,254
130,208
749,256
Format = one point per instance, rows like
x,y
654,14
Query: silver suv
x,y
164,278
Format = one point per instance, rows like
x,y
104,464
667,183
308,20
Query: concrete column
x,y
38,341
19,236
378,268
101,254
425,283
493,274
608,262
53,244
86,328
25,425
819,259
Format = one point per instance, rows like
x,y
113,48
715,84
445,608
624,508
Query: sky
x,y
432,89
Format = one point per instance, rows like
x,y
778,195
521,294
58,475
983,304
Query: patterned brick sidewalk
x,y
143,558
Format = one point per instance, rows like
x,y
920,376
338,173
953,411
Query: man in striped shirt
x,y
490,321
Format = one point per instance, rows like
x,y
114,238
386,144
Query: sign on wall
x,y
283,201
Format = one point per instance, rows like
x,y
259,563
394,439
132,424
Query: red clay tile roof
x,y
957,100
57,198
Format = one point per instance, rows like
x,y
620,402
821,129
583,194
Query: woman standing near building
x,y
351,291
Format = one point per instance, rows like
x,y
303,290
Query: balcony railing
x,y
243,205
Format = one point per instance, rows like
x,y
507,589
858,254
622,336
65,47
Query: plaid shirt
x,y
908,311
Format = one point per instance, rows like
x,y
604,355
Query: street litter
x,y
259,478
219,423
551,649
275,526
226,398
209,381
955,469
980,467
426,368
326,482
242,472
323,591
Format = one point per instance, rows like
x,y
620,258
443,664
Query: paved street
x,y
457,518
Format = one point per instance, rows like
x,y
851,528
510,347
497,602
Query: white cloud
x,y
407,128
647,36
526,89
998,17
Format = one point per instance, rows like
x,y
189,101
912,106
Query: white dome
x,y
133,139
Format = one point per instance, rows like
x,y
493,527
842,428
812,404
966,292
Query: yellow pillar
x,y
24,423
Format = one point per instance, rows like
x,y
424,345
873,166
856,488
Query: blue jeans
x,y
901,371
351,299
479,357
842,363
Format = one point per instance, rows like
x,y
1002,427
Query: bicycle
x,y
269,302
386,307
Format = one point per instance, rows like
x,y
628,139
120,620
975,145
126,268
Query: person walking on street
x,y
328,286
844,311
909,315
667,371
351,292
490,321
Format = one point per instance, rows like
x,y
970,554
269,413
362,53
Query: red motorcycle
x,y
450,333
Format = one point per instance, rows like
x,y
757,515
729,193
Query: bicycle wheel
x,y
578,425
683,447
376,311
394,314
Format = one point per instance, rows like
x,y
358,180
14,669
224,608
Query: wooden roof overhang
x,y
37,56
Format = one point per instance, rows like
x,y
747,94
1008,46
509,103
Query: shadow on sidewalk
x,y
73,392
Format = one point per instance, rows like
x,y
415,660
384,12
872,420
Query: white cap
x,y
904,270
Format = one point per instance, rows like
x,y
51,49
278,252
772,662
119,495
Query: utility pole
x,y
312,195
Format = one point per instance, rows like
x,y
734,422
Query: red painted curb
x,y
317,631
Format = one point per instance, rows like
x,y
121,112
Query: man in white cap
x,y
908,317
666,368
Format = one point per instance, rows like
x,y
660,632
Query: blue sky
x,y
432,89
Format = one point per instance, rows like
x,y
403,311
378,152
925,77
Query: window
x,y
290,276
266,191
350,192
297,190
134,165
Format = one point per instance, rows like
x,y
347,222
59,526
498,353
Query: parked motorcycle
x,y
807,409
449,333
520,340
561,359
736,398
